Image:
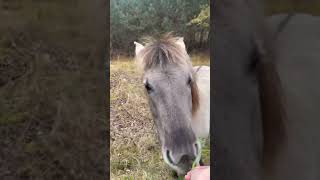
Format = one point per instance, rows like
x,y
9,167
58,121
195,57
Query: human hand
x,y
199,173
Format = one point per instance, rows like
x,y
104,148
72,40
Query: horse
x,y
266,97
179,99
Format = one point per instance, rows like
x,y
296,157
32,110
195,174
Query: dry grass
x,y
52,111
134,147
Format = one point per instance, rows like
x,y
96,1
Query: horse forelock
x,y
162,52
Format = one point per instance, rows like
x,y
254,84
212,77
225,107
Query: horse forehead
x,y
166,74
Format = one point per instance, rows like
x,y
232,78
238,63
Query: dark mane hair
x,y
242,39
272,99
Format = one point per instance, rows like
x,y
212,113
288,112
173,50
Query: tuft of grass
x,y
134,146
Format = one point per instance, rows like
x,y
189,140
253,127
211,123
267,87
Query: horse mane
x,y
195,96
164,51
254,33
272,99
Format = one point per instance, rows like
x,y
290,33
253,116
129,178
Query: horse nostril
x,y
187,159
169,157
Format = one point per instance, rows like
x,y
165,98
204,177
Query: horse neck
x,y
201,118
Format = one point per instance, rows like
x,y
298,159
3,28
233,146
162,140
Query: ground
x,y
52,111
134,147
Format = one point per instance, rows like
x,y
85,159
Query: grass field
x,y
134,147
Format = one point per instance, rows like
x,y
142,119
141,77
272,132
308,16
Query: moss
x,y
11,118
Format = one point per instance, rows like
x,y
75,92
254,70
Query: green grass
x,y
134,147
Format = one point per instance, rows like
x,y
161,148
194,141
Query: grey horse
x,y
179,99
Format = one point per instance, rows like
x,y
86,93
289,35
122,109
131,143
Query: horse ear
x,y
138,59
139,47
180,42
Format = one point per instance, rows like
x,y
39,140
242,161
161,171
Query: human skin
x,y
199,173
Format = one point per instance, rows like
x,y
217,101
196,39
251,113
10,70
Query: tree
x,y
133,19
202,24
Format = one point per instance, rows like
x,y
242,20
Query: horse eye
x,y
148,87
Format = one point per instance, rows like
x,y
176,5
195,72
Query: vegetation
x,y
52,105
203,19
131,20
